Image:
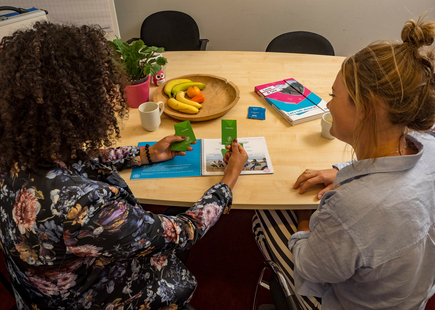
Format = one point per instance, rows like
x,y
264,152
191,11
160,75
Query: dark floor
x,y
227,264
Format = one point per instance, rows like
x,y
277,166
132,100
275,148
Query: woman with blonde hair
x,y
371,242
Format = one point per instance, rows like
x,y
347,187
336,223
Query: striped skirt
x,y
272,230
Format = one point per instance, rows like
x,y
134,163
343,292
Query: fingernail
x,y
319,197
235,140
184,137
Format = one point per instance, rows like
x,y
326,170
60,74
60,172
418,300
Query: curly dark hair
x,y
61,95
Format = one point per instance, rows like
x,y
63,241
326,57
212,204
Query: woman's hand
x,y
312,177
161,151
235,159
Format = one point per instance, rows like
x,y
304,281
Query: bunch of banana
x,y
181,96
184,105
173,87
168,87
185,86
175,90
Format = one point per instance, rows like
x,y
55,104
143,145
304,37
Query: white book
x,y
258,156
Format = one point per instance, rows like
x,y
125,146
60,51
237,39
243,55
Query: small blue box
x,y
257,113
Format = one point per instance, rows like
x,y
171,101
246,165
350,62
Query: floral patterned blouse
x,y
76,238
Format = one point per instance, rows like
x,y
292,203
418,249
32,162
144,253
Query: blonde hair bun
x,y
418,33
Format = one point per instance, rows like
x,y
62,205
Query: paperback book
x,y
206,159
292,100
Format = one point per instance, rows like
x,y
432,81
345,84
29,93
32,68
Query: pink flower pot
x,y
138,93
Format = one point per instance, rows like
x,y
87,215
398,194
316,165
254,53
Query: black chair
x,y
282,294
173,30
303,42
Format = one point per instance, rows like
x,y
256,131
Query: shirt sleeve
x,y
107,222
117,158
327,254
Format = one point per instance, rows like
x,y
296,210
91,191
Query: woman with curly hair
x,y
73,234
371,242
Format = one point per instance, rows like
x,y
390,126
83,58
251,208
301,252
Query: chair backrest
x,y
303,42
173,30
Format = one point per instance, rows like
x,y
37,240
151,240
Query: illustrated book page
x,y
206,159
258,156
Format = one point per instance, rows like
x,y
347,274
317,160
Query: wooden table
x,y
292,148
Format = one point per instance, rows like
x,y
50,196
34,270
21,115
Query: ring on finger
x,y
311,175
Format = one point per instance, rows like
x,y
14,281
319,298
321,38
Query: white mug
x,y
150,115
326,125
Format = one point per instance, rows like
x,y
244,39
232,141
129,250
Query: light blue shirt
x,y
372,240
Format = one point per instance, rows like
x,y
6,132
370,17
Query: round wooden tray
x,y
220,97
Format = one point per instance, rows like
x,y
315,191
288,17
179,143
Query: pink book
x,y
292,100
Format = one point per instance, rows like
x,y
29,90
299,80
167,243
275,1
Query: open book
x,y
206,159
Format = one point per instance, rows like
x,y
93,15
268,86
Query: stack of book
x,y
292,100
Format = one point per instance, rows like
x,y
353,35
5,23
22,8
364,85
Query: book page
x,y
258,156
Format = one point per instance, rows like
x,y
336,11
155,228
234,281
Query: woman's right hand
x,y
235,159
312,177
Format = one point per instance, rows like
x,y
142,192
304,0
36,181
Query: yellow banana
x,y
184,86
171,84
182,107
181,96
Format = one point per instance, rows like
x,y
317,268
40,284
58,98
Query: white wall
x,y
249,25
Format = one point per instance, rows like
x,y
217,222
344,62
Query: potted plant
x,y
140,61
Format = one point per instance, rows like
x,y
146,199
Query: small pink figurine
x,y
159,78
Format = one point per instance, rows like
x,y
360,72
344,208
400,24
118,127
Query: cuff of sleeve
x,y
300,235
136,161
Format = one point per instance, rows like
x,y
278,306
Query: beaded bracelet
x,y
148,154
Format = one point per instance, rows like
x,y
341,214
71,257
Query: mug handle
x,y
163,107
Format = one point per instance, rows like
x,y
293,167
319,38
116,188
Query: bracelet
x,y
148,154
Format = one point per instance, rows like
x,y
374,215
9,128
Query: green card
x,y
183,129
229,131
223,151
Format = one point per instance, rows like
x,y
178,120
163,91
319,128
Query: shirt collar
x,y
382,164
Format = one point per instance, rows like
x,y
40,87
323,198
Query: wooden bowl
x,y
220,97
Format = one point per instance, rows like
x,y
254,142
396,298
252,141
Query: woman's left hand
x,y
161,151
311,177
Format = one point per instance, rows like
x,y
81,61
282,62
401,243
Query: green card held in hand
x,y
229,131
183,129
223,151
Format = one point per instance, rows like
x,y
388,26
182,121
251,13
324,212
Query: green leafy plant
x,y
139,60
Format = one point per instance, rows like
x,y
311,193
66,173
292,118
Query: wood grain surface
x,y
292,148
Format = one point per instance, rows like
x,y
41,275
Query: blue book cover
x,y
180,166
